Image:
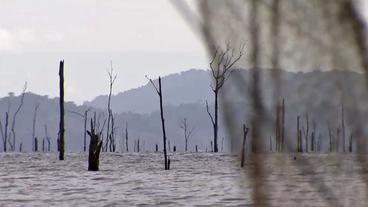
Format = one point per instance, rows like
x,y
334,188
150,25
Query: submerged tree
x,y
95,145
187,131
4,132
47,139
221,67
109,137
34,122
12,142
159,93
245,133
61,104
85,118
126,137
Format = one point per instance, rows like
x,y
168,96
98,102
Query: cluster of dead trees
x,y
8,133
307,137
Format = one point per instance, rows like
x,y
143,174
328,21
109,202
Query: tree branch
x,y
209,113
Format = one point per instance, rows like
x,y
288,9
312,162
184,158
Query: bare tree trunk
x,y
85,131
95,145
112,79
222,144
34,123
277,127
5,140
167,167
351,143
337,140
245,132
215,149
282,125
13,144
270,143
61,125
330,135
298,148
36,144
342,124
43,145
126,137
159,93
221,67
47,139
307,134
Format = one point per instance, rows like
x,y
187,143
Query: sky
x,y
140,38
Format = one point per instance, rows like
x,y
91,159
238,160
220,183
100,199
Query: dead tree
x,y
112,79
245,132
342,124
329,135
35,144
34,122
306,132
221,68
112,145
43,145
319,143
127,137
351,143
280,126
159,93
84,116
187,132
61,104
298,135
47,139
337,139
222,144
85,130
4,132
12,143
95,145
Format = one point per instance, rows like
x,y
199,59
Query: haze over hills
x,y
190,86
184,96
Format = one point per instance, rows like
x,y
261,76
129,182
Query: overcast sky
x,y
141,38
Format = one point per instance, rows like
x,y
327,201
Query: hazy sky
x,y
141,38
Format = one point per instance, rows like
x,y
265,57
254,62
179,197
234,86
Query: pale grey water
x,y
198,179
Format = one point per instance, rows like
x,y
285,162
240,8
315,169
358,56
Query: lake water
x,y
198,179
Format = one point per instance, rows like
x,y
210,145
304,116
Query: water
x,y
199,179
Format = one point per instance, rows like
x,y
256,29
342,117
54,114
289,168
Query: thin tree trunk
x,y
282,125
85,131
343,125
215,149
34,123
245,132
126,137
6,130
167,167
330,135
307,133
61,125
297,134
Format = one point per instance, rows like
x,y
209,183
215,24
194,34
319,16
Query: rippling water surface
x,y
199,179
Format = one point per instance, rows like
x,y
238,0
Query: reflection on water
x,y
201,179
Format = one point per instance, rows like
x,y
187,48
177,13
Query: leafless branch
x,y
209,113
153,84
